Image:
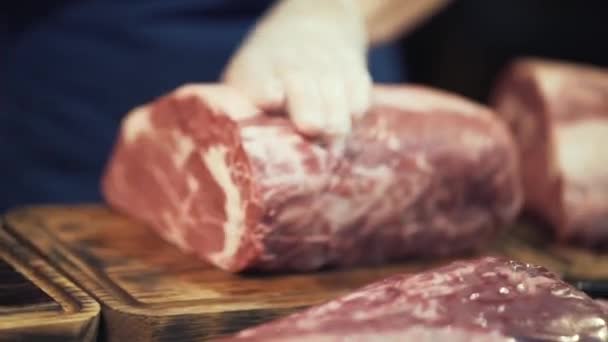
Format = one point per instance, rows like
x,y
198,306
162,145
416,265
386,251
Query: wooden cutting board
x,y
527,243
149,291
39,304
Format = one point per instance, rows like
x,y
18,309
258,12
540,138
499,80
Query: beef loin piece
x,y
604,304
558,113
423,174
486,299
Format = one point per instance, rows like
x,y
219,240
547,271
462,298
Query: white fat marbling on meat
x,y
234,227
370,295
192,183
436,284
136,123
315,315
341,212
380,129
418,333
284,163
375,204
296,215
376,172
422,163
184,147
578,150
428,311
473,141
176,217
393,143
563,292
427,334
173,232
425,285
523,282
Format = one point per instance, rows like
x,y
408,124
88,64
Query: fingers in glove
x,y
358,83
335,106
304,102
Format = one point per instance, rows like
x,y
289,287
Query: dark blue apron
x,y
69,71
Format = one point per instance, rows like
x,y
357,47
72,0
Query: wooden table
x,y
150,291
37,303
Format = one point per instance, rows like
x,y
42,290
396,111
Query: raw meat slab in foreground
x,y
558,113
487,299
424,173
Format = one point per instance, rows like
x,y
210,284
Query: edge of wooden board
x,y
76,316
124,317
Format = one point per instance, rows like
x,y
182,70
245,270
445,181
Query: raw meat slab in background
x,y
558,113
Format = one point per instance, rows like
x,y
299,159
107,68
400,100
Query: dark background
x,y
59,125
464,47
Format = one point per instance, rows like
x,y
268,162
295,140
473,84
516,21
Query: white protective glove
x,y
307,57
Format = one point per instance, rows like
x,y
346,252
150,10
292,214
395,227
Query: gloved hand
x,y
307,57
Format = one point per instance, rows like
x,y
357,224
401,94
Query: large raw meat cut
x,y
486,299
558,113
604,304
424,173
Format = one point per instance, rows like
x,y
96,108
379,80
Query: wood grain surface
x,y
39,304
527,243
152,292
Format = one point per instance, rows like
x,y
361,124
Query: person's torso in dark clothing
x,y
69,72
